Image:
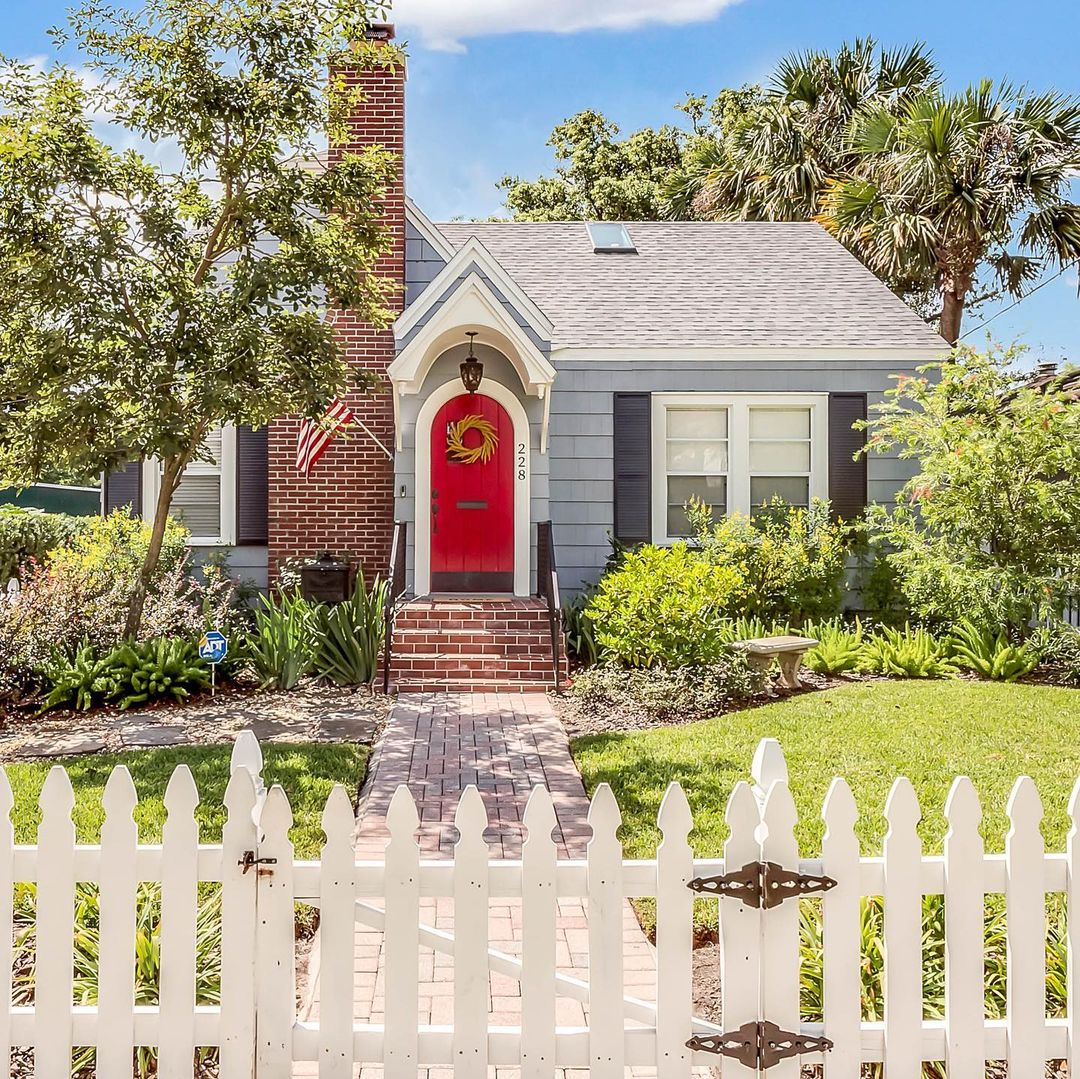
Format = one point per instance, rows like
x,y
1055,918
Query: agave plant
x,y
347,638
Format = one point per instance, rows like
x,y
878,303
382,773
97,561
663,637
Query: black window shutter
x,y
632,450
847,477
123,489
251,484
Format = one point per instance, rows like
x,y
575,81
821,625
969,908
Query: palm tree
x,y
963,193
775,165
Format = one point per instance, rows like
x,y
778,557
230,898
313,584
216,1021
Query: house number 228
x,y
521,460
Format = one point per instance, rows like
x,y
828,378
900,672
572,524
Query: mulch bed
x,y
313,712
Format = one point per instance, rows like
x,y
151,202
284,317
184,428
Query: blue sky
x,y
484,96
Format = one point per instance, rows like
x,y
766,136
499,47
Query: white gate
x,y
758,886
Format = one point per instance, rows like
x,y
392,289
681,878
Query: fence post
x,y
275,992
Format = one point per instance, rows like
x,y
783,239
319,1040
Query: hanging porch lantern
x,y
472,370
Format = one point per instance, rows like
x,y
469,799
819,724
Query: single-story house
x,y
624,368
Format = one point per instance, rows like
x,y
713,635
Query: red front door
x,y
472,498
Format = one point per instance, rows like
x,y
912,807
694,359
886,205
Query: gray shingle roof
x,y
738,284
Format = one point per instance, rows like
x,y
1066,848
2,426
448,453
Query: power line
x,y
1041,284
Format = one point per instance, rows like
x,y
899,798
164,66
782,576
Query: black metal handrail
x,y
395,589
547,589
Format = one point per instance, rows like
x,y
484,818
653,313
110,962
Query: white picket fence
x,y
256,1024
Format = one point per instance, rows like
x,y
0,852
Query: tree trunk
x,y
952,313
169,477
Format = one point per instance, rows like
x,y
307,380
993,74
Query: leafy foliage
x,y
663,606
791,560
840,647
27,535
133,674
986,529
346,637
907,653
992,655
579,630
1059,646
146,305
279,647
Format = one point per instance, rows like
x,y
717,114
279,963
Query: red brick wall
x,y
346,504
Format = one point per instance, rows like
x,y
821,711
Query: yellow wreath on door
x,y
469,455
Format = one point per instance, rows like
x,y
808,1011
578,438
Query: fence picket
x,y
903,934
1072,925
179,904
842,989
274,941
470,938
674,935
1025,912
116,973
780,925
401,943
538,922
604,858
7,883
55,907
337,930
740,926
965,1055
238,918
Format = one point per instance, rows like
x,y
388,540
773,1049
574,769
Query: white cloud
x,y
445,24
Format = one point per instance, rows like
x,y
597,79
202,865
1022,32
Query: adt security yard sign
x,y
213,647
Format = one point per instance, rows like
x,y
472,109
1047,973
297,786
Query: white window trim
x,y
151,482
738,473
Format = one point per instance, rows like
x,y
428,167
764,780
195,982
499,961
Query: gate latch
x,y
762,884
249,860
759,1045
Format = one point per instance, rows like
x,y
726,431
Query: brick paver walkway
x,y
504,743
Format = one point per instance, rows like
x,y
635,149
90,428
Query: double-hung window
x,y
204,502
735,452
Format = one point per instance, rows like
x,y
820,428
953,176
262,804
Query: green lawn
x,y
307,772
868,733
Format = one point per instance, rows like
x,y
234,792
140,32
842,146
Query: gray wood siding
x,y
581,445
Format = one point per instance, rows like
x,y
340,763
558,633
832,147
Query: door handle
x,y
434,515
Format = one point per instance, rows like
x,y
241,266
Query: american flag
x,y
315,437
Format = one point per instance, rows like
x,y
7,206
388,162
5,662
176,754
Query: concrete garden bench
x,y
787,651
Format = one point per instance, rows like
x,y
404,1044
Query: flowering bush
x,y
790,560
79,594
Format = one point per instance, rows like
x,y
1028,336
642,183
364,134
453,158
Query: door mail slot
x,y
472,505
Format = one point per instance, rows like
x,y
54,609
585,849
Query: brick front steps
x,y
473,645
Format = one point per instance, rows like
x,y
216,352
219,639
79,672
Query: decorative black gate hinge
x,y
762,884
759,1045
249,860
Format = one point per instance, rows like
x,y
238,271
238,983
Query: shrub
x,y
992,656
129,675
664,693
663,606
791,561
347,637
1059,646
279,648
147,944
28,535
907,653
579,630
840,647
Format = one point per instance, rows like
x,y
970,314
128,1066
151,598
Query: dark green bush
x,y
27,535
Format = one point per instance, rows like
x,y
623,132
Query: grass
x,y
307,772
869,733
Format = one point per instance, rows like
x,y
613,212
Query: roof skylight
x,y
610,236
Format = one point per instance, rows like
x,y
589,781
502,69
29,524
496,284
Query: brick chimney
x,y
346,505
